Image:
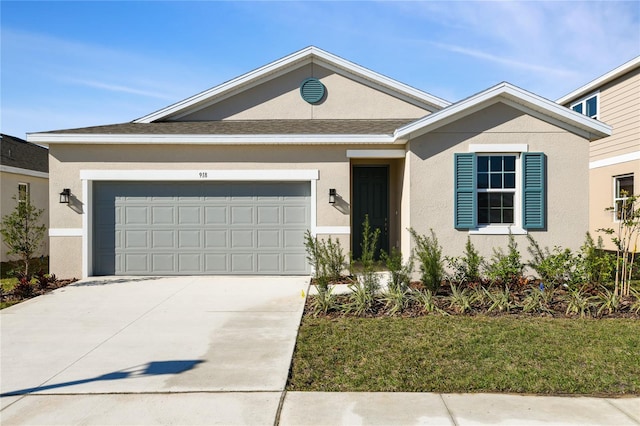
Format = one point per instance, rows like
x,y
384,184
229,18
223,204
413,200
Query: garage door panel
x,y
173,228
135,239
189,239
189,215
215,215
163,215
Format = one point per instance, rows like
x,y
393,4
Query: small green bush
x,y
429,255
506,269
400,271
466,268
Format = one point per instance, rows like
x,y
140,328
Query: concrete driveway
x,y
118,350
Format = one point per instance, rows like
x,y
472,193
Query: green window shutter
x,y
533,190
465,191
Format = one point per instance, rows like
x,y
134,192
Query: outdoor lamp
x,y
332,196
64,196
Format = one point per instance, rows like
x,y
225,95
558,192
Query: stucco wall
x,y
66,162
431,187
280,99
39,193
601,192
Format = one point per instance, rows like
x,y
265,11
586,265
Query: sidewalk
x,y
317,408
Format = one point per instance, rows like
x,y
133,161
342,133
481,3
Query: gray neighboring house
x,y
228,180
24,173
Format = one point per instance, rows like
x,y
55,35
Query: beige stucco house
x,y
614,161
24,174
229,180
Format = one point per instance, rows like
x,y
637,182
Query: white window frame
x,y
495,150
27,191
616,193
583,102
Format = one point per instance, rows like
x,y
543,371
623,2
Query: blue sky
x,y
82,63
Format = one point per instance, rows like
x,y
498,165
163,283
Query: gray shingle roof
x,y
16,152
249,127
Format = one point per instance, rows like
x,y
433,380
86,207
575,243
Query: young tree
x,y
22,232
625,237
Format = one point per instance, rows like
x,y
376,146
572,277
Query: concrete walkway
x,y
213,350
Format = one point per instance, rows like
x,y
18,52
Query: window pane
x,y
625,184
578,108
507,200
507,216
509,163
483,200
483,164
496,180
496,200
592,106
496,216
509,180
483,180
496,163
483,216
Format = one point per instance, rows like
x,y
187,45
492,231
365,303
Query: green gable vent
x,y
312,90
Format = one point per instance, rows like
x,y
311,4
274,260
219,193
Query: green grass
x,y
7,285
468,354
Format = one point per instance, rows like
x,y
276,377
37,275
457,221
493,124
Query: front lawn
x,y
468,354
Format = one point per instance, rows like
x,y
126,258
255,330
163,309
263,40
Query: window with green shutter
x,y
490,195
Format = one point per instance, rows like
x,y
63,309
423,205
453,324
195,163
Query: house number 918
x,y
203,175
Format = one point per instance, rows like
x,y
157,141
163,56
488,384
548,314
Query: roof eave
x,y
600,81
279,66
208,139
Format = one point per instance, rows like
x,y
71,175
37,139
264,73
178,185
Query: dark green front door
x,y
370,197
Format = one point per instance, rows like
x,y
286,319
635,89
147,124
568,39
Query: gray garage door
x,y
185,228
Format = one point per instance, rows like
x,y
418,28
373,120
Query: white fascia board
x,y
618,159
376,153
202,175
505,92
72,138
281,66
604,79
21,171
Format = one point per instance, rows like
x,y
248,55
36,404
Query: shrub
x,y
323,302
466,268
506,268
554,267
429,254
500,300
400,271
538,299
395,300
460,300
426,300
326,257
608,301
595,265
579,302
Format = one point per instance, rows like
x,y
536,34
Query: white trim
x,y
208,139
632,156
495,147
498,230
65,232
600,81
376,153
201,175
514,96
297,59
26,172
342,230
88,176
87,223
583,101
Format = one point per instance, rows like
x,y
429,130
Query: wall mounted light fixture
x,y
64,196
332,196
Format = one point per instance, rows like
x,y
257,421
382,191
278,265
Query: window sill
x,y
498,230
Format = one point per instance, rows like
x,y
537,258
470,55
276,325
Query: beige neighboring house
x,y
24,173
228,180
614,161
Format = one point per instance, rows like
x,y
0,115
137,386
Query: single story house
x,y
229,180
24,175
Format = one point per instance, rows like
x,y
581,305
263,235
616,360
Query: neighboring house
x,y
24,174
229,180
614,162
